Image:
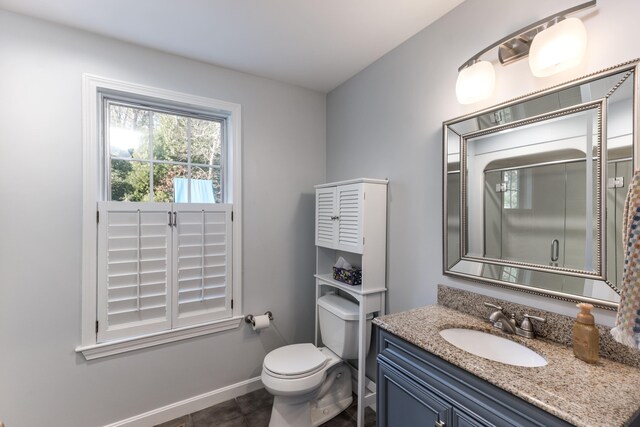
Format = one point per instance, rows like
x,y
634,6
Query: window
x,y
511,193
517,188
161,228
162,156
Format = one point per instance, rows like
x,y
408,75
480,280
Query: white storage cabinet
x,y
351,222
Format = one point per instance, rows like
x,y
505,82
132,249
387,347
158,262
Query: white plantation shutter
x,y
326,227
350,201
202,263
134,246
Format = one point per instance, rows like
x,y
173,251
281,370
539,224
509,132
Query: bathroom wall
x,y
386,122
42,380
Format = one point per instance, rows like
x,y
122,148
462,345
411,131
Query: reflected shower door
x,y
533,215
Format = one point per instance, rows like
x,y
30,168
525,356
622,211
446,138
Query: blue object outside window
x,y
201,191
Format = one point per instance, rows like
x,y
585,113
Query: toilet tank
x,y
339,325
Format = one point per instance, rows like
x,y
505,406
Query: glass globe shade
x,y
475,83
558,48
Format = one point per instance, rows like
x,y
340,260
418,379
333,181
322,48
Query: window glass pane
x,y
170,137
170,144
128,132
129,181
211,176
164,181
206,137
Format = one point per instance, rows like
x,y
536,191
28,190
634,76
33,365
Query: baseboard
x,y
187,406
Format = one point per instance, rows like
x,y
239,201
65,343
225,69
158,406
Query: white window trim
x,y
97,351
92,193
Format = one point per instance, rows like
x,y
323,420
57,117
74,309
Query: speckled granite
x,y
602,395
557,328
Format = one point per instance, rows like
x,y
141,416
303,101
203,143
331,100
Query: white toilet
x,y
312,385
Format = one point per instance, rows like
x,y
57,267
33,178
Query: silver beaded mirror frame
x,y
534,188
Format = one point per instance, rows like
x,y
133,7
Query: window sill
x,y
97,351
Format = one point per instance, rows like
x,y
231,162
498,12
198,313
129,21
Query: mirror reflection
x,y
535,189
536,184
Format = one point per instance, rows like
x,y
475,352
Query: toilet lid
x,y
295,360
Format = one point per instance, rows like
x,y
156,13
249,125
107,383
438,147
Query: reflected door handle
x,y
555,250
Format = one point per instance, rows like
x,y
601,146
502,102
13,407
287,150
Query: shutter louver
x,y
325,211
202,263
134,243
349,211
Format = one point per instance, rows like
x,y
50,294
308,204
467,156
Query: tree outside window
x,y
149,150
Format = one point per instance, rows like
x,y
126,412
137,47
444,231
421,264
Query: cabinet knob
x,y
440,424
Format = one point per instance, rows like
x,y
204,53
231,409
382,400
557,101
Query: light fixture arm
x,y
516,45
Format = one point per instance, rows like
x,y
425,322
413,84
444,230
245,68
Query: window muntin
x,y
163,155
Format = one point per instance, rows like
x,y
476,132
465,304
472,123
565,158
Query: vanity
x,y
533,200
425,380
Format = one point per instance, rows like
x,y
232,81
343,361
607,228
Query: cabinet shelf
x,y
328,279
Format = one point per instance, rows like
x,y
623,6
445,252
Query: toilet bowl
x,y
311,385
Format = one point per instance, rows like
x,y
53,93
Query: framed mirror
x,y
534,189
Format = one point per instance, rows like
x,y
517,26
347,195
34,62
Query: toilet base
x,y
336,400
311,412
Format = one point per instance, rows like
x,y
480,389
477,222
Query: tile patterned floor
x,y
254,410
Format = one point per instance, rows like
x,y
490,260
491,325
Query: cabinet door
x,y
461,419
350,199
326,221
403,403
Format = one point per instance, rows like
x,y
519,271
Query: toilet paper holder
x,y
249,318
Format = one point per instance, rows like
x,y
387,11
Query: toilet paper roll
x,y
261,322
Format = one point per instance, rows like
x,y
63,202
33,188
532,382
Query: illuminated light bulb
x,y
475,83
558,48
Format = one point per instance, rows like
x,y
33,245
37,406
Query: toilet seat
x,y
297,369
295,361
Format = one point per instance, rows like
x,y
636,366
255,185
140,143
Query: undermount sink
x,y
493,347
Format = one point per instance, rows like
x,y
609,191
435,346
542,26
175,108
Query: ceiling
x,y
317,44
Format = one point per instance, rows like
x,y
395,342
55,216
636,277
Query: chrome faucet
x,y
508,324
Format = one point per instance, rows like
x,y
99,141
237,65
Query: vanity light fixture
x,y
475,82
553,44
558,48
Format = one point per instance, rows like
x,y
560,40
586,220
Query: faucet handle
x,y
539,319
526,322
488,304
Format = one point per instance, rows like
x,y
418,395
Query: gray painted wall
x,y
386,121
42,380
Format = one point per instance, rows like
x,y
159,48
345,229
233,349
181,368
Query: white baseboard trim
x,y
187,406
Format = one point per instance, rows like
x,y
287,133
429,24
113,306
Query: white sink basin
x,y
493,347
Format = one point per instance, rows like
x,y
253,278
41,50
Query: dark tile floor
x,y
254,410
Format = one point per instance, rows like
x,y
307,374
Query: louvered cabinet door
x,y
202,263
326,221
134,269
350,202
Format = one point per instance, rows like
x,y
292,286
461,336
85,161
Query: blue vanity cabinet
x,y
417,388
406,403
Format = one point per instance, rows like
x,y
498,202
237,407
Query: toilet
x,y
311,385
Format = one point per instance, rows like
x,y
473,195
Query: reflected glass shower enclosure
x,y
537,214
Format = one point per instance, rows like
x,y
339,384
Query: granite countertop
x,y
606,394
